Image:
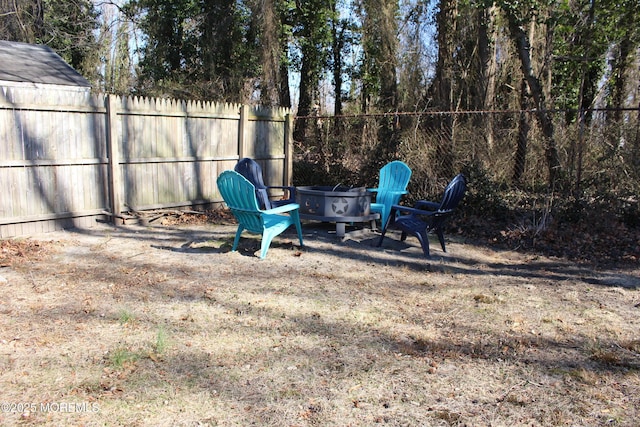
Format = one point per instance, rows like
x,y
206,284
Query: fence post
x,y
244,121
288,150
114,177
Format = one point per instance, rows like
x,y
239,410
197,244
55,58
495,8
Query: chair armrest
x,y
377,190
286,187
421,212
413,211
426,204
290,189
281,209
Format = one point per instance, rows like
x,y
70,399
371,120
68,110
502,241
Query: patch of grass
x,y
584,375
633,345
486,299
121,357
607,355
125,317
161,344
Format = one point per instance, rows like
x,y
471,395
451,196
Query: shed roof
x,y
36,64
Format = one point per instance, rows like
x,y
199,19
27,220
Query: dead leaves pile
x,y
602,242
22,250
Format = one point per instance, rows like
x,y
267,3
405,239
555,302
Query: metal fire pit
x,y
337,204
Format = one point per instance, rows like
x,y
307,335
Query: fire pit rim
x,y
327,191
336,191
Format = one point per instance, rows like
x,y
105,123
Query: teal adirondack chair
x,y
392,185
240,196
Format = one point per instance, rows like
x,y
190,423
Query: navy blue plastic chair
x,y
427,216
240,197
252,171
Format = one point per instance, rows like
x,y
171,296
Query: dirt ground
x,y
164,325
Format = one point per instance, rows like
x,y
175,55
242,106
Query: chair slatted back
x,y
394,176
251,170
240,196
392,185
453,193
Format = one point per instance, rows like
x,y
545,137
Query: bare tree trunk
x,y
305,100
380,44
270,53
636,150
443,82
542,113
621,65
38,15
488,65
442,85
523,134
283,85
389,59
313,48
337,29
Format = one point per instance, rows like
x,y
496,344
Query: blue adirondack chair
x,y
427,216
240,196
252,171
392,185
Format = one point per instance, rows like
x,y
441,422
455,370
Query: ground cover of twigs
x,y
162,325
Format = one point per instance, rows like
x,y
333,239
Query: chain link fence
x,y
521,169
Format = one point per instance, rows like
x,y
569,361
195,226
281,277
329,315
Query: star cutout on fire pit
x,y
340,206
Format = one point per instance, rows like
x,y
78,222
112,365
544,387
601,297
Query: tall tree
x,y
121,72
270,45
342,37
624,44
201,50
271,20
414,57
285,37
69,30
162,23
313,36
487,69
578,55
442,85
380,54
22,20
518,16
487,61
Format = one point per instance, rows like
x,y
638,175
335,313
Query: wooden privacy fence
x,y
69,158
